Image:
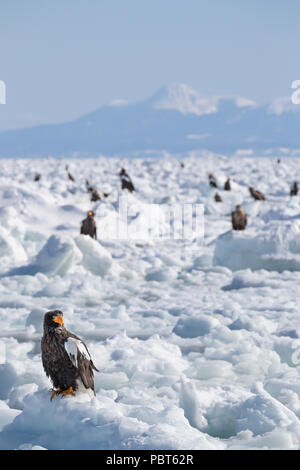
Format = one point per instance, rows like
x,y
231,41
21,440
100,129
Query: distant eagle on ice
x,y
227,186
89,188
95,195
126,182
65,357
218,197
257,194
88,225
212,181
70,176
239,218
294,189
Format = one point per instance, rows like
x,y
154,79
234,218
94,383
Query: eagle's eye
x,y
58,319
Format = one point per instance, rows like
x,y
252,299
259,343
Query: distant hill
x,y
175,119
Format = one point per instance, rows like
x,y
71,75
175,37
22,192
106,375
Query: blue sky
x,y
63,58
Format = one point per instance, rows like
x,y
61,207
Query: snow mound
x,y
61,255
10,220
276,248
95,258
17,395
247,420
161,275
262,413
271,424
8,378
247,278
191,327
36,318
57,256
99,423
11,249
7,415
191,406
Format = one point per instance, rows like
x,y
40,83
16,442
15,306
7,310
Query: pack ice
x,y
196,340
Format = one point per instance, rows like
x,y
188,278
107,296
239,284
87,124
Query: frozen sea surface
x,y
197,341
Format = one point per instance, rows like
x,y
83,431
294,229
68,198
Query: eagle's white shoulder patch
x,y
74,347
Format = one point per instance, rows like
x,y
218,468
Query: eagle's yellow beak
x,y
58,319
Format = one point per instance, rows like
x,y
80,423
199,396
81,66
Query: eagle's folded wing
x,y
81,359
76,350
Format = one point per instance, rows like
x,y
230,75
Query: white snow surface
x,y
196,341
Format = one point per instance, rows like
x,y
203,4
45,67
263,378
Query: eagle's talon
x,y
67,392
54,393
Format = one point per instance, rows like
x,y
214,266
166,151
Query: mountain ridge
x,y
175,119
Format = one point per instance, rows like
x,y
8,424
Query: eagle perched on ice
x,y
294,189
65,357
88,225
239,218
257,194
126,182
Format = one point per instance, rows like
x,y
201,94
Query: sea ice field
x,y
197,341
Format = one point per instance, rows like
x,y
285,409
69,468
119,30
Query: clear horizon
x,y
61,60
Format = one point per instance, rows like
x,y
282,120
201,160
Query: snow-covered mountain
x,y
175,119
182,98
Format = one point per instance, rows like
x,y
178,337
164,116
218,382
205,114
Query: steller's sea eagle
x,y
88,225
218,197
294,189
65,357
126,182
239,218
227,186
257,194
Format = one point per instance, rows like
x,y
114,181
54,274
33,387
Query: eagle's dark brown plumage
x,y
93,191
227,186
65,357
218,197
89,188
70,176
294,189
257,194
95,196
126,182
239,218
88,226
212,181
